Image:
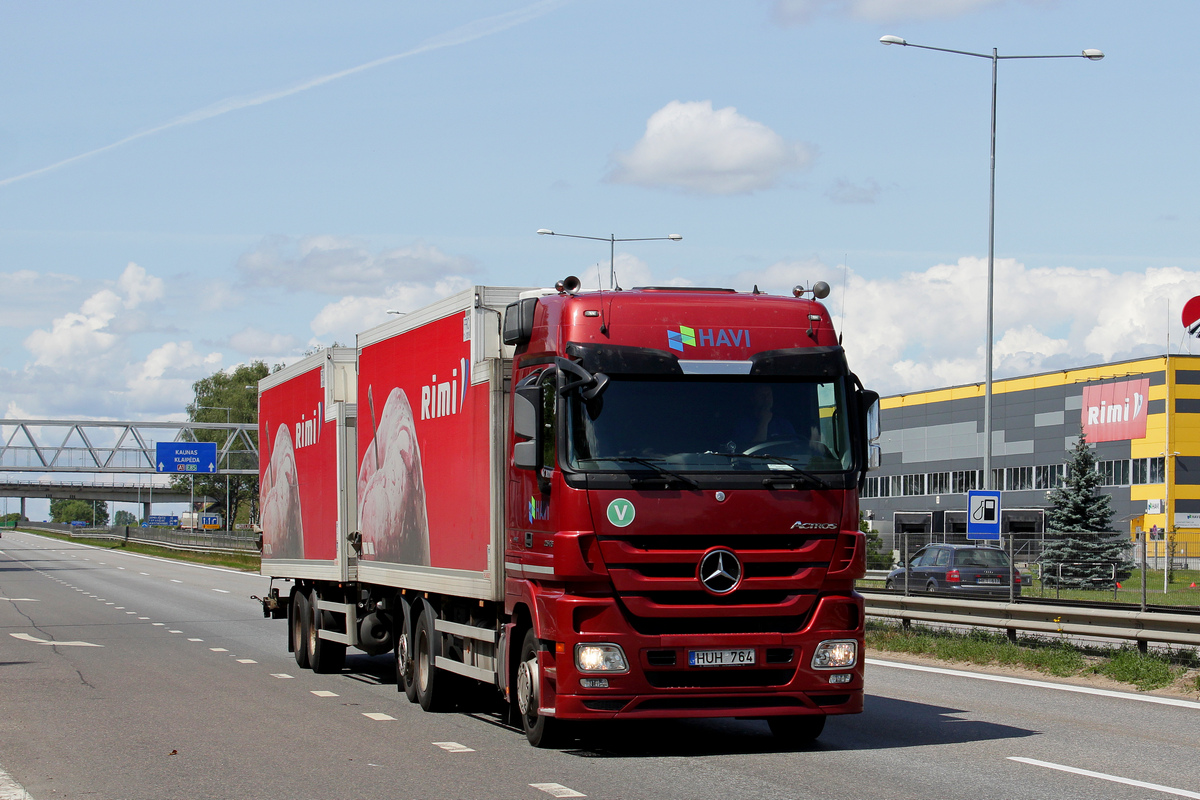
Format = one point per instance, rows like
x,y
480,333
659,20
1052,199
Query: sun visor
x,y
614,359
802,362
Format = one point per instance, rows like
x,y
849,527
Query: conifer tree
x,y
1080,520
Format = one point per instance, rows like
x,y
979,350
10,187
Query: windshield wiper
x,y
648,463
783,479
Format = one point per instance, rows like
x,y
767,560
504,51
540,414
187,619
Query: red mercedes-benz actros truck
x,y
607,505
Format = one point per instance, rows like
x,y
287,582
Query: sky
x,y
188,187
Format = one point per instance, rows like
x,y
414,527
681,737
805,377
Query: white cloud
x,y
923,330
691,147
258,343
630,271
84,363
344,319
338,266
802,12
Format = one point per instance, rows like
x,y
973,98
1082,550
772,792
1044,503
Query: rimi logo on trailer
x,y
441,399
707,337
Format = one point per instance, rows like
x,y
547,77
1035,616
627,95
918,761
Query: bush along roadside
x,y
1058,657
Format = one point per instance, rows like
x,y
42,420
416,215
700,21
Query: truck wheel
x,y
324,656
299,622
405,673
797,730
541,731
433,687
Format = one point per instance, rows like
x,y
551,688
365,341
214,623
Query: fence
x,y
237,542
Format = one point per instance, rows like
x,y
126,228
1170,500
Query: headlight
x,y
600,658
835,654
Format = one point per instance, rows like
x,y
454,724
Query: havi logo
x,y
707,337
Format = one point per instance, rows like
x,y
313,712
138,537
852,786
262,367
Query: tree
x,y
124,518
85,511
1080,519
223,396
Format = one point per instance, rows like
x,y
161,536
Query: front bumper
x,y
660,684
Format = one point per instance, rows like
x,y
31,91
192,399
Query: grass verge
x,y
247,562
1057,657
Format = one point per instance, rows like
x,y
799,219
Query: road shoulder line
x,y
1062,687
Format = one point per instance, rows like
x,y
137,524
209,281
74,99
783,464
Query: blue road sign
x,y
186,457
162,521
983,515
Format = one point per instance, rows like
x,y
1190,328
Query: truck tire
x,y
323,655
298,619
541,731
433,686
405,670
797,730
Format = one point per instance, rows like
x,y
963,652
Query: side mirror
x,y
869,405
527,402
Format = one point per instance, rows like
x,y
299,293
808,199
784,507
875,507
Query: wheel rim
x,y
527,688
403,657
314,616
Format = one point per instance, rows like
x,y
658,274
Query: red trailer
x,y
608,505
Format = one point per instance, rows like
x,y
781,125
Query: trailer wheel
x,y
433,687
797,730
541,731
323,655
299,624
405,671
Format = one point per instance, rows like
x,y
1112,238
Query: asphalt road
x,y
129,677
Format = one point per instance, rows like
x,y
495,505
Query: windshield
x,y
710,425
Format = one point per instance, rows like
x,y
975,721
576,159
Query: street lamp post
x,y
1090,55
612,247
228,522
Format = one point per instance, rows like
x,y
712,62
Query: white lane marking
x,y
174,631
454,747
110,603
375,715
25,637
282,675
222,591
195,640
1156,787
119,608
246,661
218,649
143,618
157,624
175,581
10,789
143,573
1062,687
120,568
324,693
556,790
20,599
131,612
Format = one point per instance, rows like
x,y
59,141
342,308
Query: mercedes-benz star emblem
x,y
720,571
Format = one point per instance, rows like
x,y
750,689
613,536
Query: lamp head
x,y
674,237
891,40
1093,55
545,231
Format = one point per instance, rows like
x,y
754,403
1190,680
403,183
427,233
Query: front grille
x,y
719,678
660,658
656,581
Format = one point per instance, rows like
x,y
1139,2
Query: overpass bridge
x,y
89,449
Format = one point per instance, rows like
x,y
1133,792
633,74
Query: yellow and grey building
x,y
933,448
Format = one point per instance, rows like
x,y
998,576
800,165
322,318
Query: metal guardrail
x,y
201,541
1136,626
